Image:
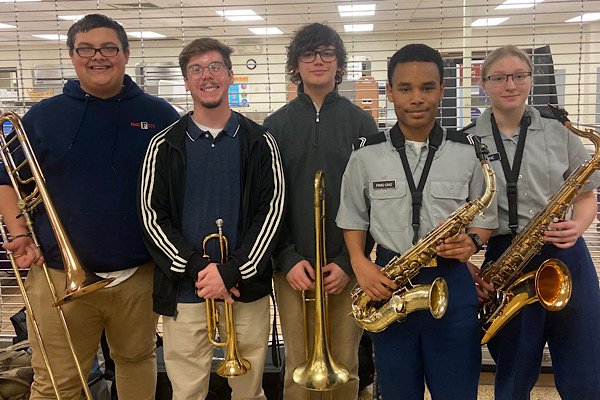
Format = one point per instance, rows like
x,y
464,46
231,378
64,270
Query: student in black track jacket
x,y
212,164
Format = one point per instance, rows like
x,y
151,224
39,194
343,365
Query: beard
x,y
212,104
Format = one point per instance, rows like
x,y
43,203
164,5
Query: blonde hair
x,y
501,52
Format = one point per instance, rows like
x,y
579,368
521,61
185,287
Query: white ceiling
x,y
198,17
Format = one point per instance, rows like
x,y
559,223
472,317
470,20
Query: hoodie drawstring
x,y
87,99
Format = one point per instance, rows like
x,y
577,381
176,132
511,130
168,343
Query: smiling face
x,y
508,96
416,92
100,76
210,90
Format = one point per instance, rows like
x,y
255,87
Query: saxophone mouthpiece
x,y
559,113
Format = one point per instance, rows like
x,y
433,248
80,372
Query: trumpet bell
x,y
230,368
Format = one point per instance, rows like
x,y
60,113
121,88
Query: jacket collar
x,y
305,99
250,131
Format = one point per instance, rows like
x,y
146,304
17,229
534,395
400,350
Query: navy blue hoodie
x,y
90,151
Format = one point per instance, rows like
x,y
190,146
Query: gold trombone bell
x,y
320,372
78,280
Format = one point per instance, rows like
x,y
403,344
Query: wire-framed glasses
x,y
215,68
519,78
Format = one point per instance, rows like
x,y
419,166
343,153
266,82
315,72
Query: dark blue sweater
x,y
90,151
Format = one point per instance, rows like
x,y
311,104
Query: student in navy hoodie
x,y
90,142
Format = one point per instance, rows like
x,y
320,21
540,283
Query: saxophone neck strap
x,y
416,192
512,174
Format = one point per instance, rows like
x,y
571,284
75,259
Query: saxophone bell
x,y
432,297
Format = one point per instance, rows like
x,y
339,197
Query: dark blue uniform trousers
x,y
443,353
573,334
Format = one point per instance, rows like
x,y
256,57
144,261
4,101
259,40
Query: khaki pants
x,y
123,311
188,354
345,337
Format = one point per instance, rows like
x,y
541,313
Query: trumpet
x,y
78,280
233,365
320,372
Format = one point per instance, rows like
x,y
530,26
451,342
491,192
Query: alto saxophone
x,y
375,316
551,283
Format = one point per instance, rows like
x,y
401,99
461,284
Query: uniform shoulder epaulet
x,y
466,128
368,140
458,136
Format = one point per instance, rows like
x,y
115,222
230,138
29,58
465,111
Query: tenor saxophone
x,y
375,316
551,283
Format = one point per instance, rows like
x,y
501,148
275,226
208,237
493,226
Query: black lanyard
x,y
512,174
399,141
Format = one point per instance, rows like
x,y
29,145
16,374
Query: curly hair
x,y
310,37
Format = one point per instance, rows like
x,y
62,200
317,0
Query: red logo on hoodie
x,y
143,125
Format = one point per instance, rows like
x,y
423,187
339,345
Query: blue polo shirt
x,y
212,191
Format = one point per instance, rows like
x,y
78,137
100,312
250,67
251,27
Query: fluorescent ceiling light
x,y
518,4
71,17
146,35
358,28
357,10
265,31
488,21
52,36
6,26
588,17
240,15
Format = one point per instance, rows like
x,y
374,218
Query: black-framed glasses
x,y
519,78
89,52
215,68
327,55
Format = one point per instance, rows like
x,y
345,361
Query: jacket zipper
x,y
316,142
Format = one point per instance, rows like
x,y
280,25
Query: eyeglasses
x,y
89,52
215,68
519,78
327,55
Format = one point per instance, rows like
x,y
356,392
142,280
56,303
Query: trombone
x,y
233,365
320,372
78,281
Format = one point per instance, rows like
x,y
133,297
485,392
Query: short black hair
x,y
310,37
201,46
92,21
416,52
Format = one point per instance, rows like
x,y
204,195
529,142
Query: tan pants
x,y
124,312
345,338
188,354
